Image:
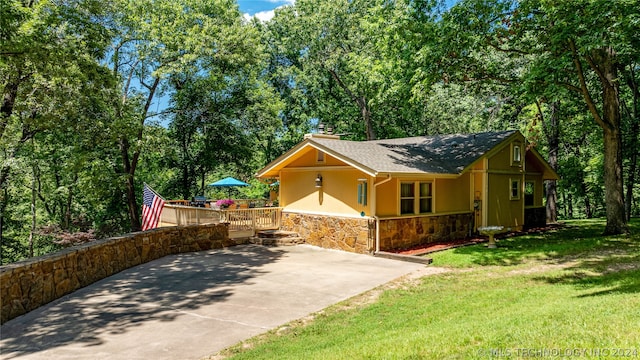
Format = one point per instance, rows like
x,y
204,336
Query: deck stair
x,y
276,238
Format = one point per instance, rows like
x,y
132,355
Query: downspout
x,y
375,216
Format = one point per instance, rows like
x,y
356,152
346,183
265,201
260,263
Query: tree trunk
x,y
588,211
132,204
614,192
361,101
131,163
366,117
602,62
552,132
10,93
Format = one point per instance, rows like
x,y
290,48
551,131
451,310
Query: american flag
x,y
152,205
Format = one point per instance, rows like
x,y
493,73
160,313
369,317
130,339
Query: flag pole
x,y
155,192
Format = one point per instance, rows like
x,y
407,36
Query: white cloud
x,y
265,16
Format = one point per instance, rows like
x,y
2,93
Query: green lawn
x,y
566,292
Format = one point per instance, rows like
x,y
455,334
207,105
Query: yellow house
x,y
366,196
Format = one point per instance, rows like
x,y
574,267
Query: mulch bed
x,y
445,245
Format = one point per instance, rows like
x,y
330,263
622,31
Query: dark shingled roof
x,y
438,154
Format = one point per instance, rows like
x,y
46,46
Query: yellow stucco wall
x,y
452,194
387,198
309,158
338,193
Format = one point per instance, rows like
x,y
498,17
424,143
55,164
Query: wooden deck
x,y
242,222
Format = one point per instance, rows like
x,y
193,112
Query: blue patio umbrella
x,y
228,183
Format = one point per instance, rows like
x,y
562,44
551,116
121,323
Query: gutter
x,y
375,185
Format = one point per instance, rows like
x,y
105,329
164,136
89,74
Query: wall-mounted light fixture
x,y
319,181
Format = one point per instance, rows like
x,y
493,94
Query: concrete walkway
x,y
190,306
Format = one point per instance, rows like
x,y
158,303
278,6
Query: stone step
x,y
276,234
284,241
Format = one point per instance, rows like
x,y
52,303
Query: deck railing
x,y
242,222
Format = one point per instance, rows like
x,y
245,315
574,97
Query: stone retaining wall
x,y
405,233
333,232
29,284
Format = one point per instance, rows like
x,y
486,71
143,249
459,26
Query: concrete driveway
x,y
189,306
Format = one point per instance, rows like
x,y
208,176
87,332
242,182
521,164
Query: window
x,y
515,189
319,157
529,193
516,154
425,197
362,193
408,198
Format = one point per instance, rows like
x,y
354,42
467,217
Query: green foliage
x,y
99,96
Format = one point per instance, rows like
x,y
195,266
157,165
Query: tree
x,y
145,55
575,45
49,73
336,53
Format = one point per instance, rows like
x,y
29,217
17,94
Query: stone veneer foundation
x,y
333,232
31,283
408,232
358,235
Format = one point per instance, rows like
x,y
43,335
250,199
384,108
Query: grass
x,y
567,291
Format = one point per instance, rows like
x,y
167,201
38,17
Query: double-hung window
x,y
426,197
407,198
416,197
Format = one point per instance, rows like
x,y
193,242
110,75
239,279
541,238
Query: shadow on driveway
x,y
188,306
132,297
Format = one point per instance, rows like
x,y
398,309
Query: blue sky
x,y
263,9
